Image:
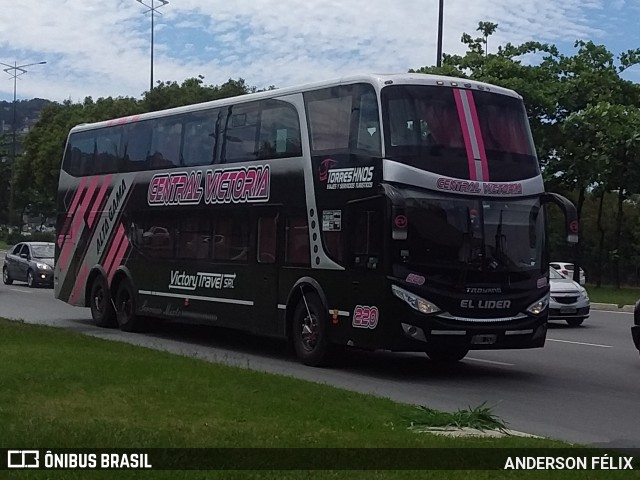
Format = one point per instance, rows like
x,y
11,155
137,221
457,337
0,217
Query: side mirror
x,y
24,255
570,215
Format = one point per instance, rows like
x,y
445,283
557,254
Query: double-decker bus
x,y
401,212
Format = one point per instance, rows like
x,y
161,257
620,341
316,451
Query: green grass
x,y
3,245
608,294
479,418
60,389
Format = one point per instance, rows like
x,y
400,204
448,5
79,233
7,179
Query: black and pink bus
x,y
399,212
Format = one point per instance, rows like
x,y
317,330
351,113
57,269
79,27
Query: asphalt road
x,y
582,387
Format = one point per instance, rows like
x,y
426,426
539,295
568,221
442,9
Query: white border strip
x,y
341,313
197,297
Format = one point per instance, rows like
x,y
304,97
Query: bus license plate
x,y
485,339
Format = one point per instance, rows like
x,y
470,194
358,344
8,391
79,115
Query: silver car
x,y
569,300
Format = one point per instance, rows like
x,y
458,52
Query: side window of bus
x,y
231,238
165,144
138,147
155,237
200,138
279,131
368,121
267,239
240,135
366,237
78,159
193,239
329,121
344,119
297,241
108,144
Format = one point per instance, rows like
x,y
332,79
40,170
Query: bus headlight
x,y
538,307
414,301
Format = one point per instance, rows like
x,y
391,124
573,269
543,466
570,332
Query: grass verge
x,y
60,389
608,294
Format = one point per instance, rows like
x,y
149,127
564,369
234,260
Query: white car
x,y
568,300
566,269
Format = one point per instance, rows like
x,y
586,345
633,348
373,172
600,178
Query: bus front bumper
x,y
417,333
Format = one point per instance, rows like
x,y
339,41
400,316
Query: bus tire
x,y
446,354
102,311
126,316
310,332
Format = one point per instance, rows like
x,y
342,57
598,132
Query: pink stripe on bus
x,y
78,285
96,206
478,130
119,256
77,224
113,249
465,134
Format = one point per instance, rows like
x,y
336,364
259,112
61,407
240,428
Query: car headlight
x,y
414,301
538,307
42,266
584,293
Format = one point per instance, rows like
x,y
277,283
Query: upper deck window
x,y
343,119
426,128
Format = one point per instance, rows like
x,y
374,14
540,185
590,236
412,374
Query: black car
x,y
30,262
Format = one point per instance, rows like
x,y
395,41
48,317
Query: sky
x,y
103,48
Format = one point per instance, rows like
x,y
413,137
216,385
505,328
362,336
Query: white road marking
x,y
580,343
20,291
492,362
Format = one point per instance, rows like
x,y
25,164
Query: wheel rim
x,y
98,300
309,332
30,279
5,275
125,304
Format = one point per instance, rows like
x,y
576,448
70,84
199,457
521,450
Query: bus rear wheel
x,y
447,354
102,311
310,331
126,316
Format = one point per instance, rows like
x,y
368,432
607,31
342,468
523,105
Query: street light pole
x,y
15,71
440,22
153,9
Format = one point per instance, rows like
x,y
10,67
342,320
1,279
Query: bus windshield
x,y
479,235
427,127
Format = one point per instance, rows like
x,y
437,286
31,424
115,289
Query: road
x,y
582,387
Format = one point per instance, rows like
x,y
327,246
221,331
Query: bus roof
x,y
377,80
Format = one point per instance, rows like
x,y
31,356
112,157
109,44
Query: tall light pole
x,y
15,71
440,22
152,8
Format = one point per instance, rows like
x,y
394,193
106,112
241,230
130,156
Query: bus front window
x,y
481,235
425,127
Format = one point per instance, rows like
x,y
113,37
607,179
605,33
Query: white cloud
x,y
102,48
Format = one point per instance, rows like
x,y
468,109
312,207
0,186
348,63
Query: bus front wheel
x,y
126,308
447,354
309,331
102,311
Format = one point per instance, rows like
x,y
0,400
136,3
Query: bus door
x,y
265,275
365,260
